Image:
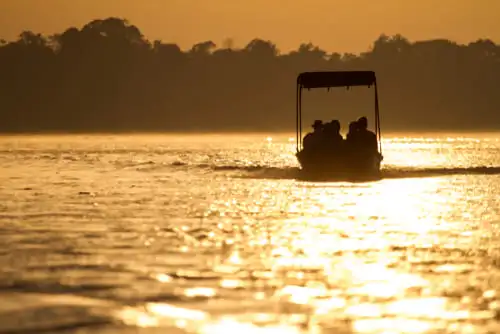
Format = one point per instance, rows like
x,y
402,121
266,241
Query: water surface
x,y
217,234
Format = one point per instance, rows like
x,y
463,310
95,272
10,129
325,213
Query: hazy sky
x,y
335,25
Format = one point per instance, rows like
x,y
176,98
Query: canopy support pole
x,y
300,116
377,120
298,119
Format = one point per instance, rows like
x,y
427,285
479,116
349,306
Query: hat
x,y
317,123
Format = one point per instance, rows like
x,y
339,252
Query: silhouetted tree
x,y
106,76
261,49
203,49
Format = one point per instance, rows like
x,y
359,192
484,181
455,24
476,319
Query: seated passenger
x,y
312,140
333,134
367,139
332,137
351,135
351,146
332,142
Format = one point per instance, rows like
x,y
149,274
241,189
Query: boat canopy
x,y
327,79
336,79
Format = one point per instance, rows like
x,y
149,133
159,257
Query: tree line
x,y
107,76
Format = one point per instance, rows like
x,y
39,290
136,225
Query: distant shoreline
x,y
107,77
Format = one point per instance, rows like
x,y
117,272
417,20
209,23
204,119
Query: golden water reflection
x,y
347,262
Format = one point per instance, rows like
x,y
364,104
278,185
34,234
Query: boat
x,y
327,166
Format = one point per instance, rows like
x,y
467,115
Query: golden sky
x,y
335,25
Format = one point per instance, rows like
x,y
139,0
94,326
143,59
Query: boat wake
x,y
402,172
387,172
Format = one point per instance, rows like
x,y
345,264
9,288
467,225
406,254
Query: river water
x,y
217,234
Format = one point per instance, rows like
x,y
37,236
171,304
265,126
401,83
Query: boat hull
x,y
329,167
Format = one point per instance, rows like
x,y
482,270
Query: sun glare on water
x,y
217,251
335,259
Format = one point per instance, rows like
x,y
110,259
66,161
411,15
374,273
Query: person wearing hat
x,y
312,139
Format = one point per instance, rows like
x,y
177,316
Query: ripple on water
x,y
208,234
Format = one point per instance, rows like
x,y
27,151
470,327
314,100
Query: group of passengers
x,y
326,138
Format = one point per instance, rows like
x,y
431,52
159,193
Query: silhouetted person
x,y
367,139
351,139
312,140
332,139
333,132
351,135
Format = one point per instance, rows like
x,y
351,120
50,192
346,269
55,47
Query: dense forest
x,y
107,76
